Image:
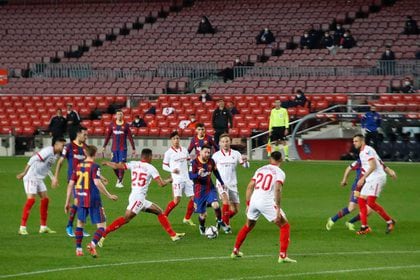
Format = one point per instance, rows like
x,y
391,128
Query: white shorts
x,y
34,186
267,208
373,187
137,202
231,191
183,187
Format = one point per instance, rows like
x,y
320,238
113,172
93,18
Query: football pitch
x,y
143,250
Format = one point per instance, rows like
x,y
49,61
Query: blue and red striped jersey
x,y
85,190
119,134
196,143
74,154
203,184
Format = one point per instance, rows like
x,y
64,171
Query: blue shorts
x,y
97,214
352,197
119,156
201,202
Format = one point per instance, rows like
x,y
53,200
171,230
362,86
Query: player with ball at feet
x,y
263,196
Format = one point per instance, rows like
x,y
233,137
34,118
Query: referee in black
x,y
221,120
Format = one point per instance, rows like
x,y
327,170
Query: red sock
x,y
44,211
371,201
231,214
166,225
169,208
225,214
241,236
190,209
284,239
26,210
363,211
116,224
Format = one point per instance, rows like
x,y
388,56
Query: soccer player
x,y
226,160
200,139
142,173
175,161
33,175
74,153
204,191
263,196
86,185
370,184
120,131
279,128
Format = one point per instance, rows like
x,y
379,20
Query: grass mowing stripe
x,y
202,259
311,273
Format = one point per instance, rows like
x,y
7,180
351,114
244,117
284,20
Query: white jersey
x,y
41,162
367,153
265,179
142,174
177,159
226,164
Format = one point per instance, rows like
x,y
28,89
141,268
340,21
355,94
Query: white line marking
x,y
310,273
200,259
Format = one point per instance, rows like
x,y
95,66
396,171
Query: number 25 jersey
x,y
142,174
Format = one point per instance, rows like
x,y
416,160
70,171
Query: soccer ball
x,y
211,232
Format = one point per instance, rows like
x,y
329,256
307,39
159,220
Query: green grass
x,y
142,250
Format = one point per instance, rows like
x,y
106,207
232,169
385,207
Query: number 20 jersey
x,y
265,181
142,174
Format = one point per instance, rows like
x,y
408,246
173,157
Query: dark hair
x,y
199,125
90,150
360,136
81,128
117,111
146,153
206,147
173,134
276,156
59,140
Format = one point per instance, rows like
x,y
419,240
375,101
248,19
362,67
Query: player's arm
x,y
390,172
162,182
107,138
195,172
104,180
130,138
218,177
23,173
286,122
68,196
372,167
270,123
114,165
34,158
230,118
54,180
249,191
191,146
103,189
277,194
346,176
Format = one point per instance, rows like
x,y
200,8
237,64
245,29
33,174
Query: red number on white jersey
x,y
263,181
139,179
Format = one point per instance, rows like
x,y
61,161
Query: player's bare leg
x,y
30,201
240,238
190,210
163,220
44,213
284,226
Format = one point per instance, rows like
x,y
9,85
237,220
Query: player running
x,y
120,131
226,160
200,139
263,196
370,184
175,161
37,168
74,153
142,173
204,191
86,185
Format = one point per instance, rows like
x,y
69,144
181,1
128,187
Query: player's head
x,y
174,139
205,153
119,115
146,155
90,151
225,141
81,135
200,130
358,141
275,157
277,103
59,112
59,145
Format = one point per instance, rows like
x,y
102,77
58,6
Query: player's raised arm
x,y
114,165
